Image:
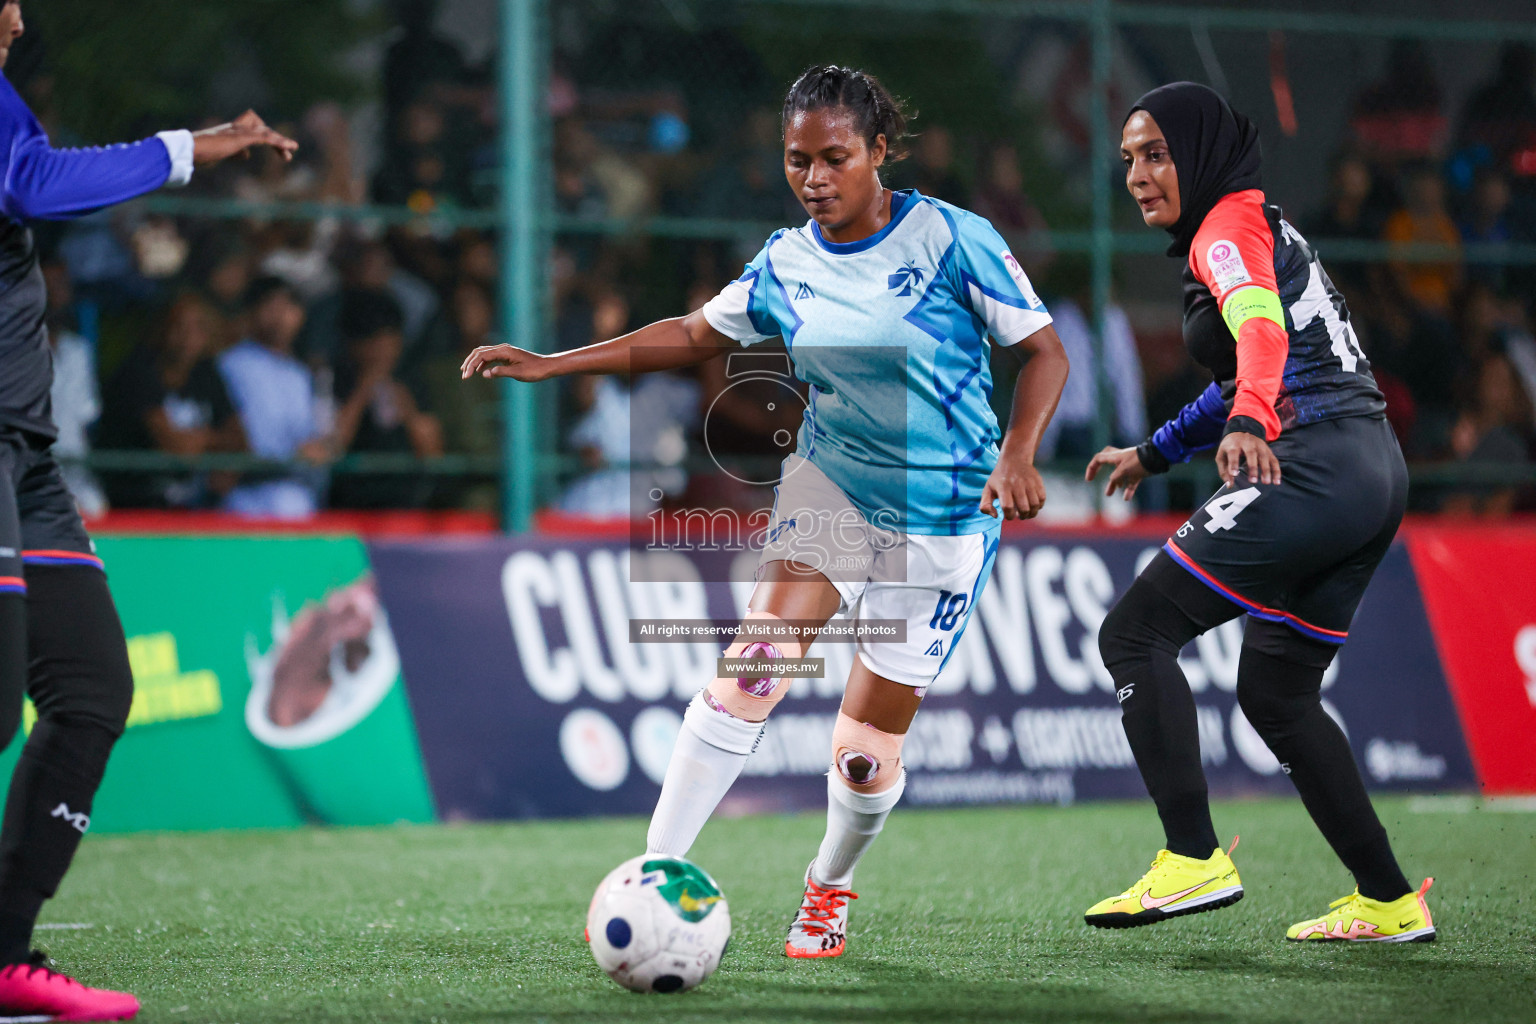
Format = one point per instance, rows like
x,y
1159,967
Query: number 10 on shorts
x,y
948,610
1224,508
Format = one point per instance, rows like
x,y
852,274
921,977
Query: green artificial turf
x,y
966,915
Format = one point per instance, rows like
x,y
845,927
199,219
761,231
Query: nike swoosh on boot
x,y
1150,902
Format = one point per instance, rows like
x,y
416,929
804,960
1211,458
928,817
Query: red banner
x,y
1479,588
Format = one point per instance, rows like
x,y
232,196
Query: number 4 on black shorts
x,y
1302,551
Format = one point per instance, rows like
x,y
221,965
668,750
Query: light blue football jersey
x,y
890,333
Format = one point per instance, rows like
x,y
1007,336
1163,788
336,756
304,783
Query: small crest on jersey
x,y
1227,267
1019,277
804,292
908,277
935,649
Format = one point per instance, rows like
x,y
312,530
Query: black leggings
x,y
1279,682
75,668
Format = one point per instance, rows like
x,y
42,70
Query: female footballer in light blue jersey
x,y
890,507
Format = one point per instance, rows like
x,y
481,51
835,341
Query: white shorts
x,y
931,583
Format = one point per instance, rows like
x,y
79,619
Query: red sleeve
x,y
1234,249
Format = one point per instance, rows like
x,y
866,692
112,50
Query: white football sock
x,y
711,749
853,821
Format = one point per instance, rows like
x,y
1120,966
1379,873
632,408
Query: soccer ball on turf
x,y
658,924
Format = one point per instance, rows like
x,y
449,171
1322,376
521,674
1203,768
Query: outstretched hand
x,y
1126,470
237,138
505,361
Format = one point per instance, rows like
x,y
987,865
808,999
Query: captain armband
x,y
1246,303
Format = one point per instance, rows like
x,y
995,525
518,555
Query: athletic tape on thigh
x,y
868,759
749,698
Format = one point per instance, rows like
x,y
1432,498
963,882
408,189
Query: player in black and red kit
x,y
60,638
1292,397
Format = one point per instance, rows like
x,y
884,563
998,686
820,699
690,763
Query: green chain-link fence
x,y
641,168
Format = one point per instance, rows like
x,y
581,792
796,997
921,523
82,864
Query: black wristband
x,y
1152,460
1244,425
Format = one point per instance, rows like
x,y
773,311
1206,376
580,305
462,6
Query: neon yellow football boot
x,y
1356,918
1173,887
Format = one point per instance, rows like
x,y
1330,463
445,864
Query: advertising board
x,y
267,689
1479,586
318,679
533,697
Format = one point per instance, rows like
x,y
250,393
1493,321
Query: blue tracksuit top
x,y
39,182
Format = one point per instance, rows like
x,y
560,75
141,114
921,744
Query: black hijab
x,y
1214,149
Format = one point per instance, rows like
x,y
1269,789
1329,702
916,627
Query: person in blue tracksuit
x,y
60,638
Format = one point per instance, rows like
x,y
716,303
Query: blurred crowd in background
x,y
304,341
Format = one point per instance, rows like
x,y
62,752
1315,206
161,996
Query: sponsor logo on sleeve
x,y
1227,269
1019,277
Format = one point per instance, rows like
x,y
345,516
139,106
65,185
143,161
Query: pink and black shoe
x,y
34,991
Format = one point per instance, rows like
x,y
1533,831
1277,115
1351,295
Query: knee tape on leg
x,y
868,759
752,698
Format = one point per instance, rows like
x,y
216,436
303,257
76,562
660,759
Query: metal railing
x,y
1124,243
1472,475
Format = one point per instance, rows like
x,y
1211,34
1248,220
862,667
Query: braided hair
x,y
875,112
